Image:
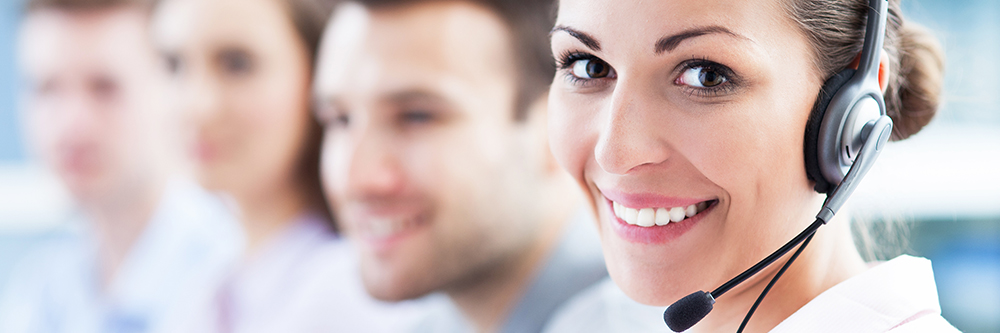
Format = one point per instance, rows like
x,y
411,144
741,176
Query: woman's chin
x,y
654,293
213,179
654,286
655,274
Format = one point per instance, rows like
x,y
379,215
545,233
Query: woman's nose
x,y
201,100
630,136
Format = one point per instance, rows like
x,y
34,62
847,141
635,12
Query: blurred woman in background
x,y
242,72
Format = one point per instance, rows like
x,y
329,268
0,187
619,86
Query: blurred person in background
x,y
242,71
94,113
436,160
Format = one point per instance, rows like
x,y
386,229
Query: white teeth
x,y
676,214
648,217
383,227
631,216
662,216
691,210
380,228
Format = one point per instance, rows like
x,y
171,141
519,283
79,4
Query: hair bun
x,y
914,92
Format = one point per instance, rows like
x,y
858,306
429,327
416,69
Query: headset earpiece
x,y
826,93
846,109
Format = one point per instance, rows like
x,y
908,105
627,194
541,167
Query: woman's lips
x,y
657,216
643,200
78,161
205,152
655,219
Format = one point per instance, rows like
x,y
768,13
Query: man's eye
x,y
592,68
416,117
342,120
104,87
702,77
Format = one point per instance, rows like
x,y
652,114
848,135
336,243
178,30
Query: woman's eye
x,y
173,63
329,116
592,68
336,120
702,77
236,62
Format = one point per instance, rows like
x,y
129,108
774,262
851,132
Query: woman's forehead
x,y
647,25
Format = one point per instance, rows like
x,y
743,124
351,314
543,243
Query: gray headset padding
x,y
830,88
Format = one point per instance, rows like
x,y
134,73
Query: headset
x,y
846,131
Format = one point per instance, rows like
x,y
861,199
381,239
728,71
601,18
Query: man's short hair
x,y
84,5
529,22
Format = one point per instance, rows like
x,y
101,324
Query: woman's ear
x,y
884,71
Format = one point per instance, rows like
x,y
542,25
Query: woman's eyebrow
x,y
669,43
664,44
583,37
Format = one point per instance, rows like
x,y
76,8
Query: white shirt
x,y
304,280
190,237
895,296
605,308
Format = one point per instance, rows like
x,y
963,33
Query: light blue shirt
x,y
191,237
304,279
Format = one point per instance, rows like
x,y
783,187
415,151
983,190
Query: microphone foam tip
x,y
688,311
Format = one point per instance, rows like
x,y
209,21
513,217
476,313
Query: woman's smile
x,y
651,218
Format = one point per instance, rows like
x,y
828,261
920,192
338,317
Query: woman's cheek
x,y
566,144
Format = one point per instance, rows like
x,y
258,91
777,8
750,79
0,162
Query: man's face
x,y
426,169
91,104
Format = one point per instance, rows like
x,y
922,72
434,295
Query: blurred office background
x,y
942,185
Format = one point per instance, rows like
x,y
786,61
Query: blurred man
x,y
95,115
436,160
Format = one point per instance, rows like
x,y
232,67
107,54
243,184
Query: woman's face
x,y
242,77
691,112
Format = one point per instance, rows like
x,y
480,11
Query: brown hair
x,y
309,17
84,5
529,22
836,31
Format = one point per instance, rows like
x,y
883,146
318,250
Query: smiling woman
x,y
686,122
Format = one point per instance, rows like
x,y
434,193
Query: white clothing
x,y
895,296
190,237
304,280
605,308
